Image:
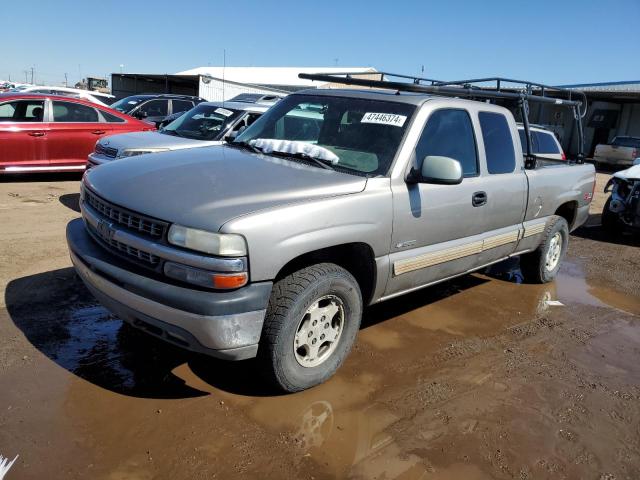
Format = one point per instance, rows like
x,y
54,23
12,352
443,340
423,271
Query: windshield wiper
x,y
245,146
304,156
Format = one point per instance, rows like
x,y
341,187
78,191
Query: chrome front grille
x,y
132,252
106,151
130,220
111,243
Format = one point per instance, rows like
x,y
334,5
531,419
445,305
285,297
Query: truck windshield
x,y
204,122
363,135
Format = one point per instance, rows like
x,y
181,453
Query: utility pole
x,y
32,76
66,83
25,76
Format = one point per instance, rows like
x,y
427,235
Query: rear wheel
x,y
311,323
542,265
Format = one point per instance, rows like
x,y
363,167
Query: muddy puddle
x,y
432,389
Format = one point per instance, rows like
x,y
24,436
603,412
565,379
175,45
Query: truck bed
x,y
554,183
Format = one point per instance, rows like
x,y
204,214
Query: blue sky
x,y
554,42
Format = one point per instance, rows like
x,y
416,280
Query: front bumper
x,y
226,325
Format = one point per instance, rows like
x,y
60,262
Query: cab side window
x,y
449,133
498,144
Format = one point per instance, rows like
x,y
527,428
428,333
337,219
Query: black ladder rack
x,y
522,92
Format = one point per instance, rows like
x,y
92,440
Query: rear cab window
x,y
498,143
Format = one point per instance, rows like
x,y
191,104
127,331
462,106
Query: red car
x,y
53,133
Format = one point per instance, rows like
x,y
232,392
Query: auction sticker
x,y
223,111
384,119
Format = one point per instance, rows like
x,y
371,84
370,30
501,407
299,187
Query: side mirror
x,y
636,161
140,114
439,170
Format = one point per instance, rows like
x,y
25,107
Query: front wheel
x,y
542,265
311,323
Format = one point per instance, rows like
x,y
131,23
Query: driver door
x,y
438,229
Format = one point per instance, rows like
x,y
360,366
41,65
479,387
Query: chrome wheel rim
x,y
319,331
554,251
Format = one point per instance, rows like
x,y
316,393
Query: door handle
x,y
36,134
98,132
478,199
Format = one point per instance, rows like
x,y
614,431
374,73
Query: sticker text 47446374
x,y
384,119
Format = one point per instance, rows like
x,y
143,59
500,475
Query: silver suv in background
x,y
206,124
543,143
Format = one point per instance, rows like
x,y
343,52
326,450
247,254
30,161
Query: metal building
x,y
223,83
613,110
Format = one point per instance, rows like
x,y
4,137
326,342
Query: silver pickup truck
x,y
272,245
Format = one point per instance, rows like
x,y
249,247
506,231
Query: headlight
x,y
225,244
132,152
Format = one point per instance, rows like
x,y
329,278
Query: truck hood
x,y
206,187
153,140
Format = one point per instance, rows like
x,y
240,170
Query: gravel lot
x,y
475,378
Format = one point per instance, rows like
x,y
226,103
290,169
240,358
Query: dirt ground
x,y
476,378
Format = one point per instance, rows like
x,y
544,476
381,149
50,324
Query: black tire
x,y
533,265
610,221
291,297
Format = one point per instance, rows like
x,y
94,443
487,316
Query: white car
x,y
99,98
544,143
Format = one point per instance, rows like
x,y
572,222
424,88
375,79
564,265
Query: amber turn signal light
x,y
234,280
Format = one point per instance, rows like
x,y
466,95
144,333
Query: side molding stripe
x,y
473,248
534,229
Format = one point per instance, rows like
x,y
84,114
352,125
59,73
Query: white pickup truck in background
x,y
621,151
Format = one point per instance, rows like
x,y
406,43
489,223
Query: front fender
x,y
278,235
